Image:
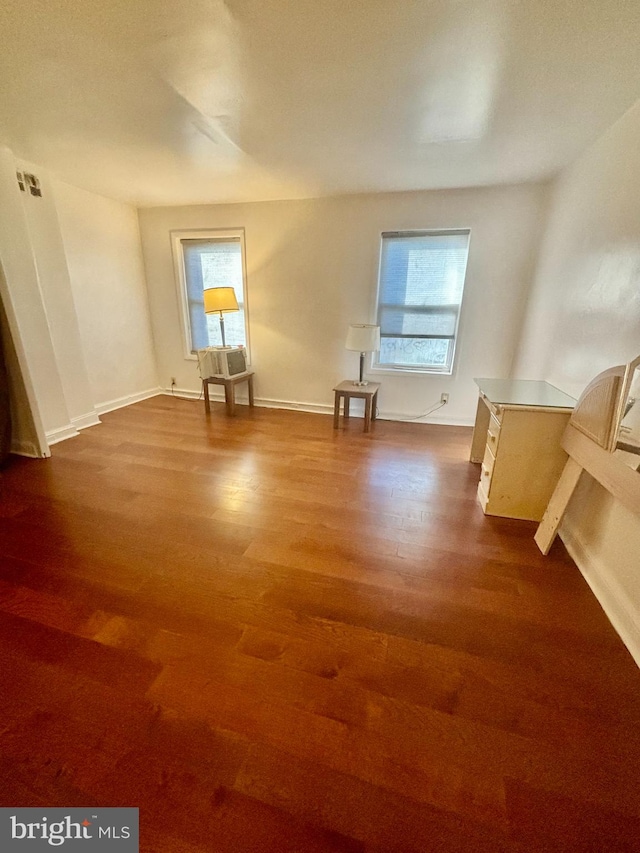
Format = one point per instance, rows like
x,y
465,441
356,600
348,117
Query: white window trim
x,y
407,370
181,281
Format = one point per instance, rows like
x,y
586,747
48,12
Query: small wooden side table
x,y
229,390
346,390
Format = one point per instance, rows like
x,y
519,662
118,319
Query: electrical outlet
x,y
173,381
444,398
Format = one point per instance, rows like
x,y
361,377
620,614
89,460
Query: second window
x,y
422,277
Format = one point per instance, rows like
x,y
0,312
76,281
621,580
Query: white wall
x,y
26,315
584,311
73,290
104,258
584,316
312,269
55,287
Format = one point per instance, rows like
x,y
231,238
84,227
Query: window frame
x,y
382,368
214,234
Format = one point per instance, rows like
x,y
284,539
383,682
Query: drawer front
x,y
493,434
496,410
487,470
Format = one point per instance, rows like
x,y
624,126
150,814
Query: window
x,y
419,298
204,260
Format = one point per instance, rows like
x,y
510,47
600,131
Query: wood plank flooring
x,y
274,636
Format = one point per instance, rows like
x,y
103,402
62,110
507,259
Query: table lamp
x,y
219,300
363,338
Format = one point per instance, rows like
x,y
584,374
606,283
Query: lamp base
x,y
360,382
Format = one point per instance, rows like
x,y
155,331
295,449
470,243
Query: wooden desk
x,y
229,390
517,438
346,390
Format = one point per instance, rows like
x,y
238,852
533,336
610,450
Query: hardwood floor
x,y
272,636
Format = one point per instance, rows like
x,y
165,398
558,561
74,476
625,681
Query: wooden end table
x,y
229,390
346,390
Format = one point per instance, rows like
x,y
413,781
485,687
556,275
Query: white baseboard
x,y
84,421
295,406
183,393
61,434
261,402
121,402
92,418
383,416
318,408
426,419
616,604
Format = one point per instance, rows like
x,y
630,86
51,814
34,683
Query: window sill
x,y
408,371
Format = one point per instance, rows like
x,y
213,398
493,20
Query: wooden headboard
x,y
590,441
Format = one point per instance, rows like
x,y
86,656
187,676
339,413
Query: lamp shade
x,y
363,338
218,299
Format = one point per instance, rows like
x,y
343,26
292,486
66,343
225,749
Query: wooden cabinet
x,y
518,430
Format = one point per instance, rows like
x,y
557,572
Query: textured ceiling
x,y
187,101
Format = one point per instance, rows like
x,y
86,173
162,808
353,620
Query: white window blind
x,y
215,262
421,284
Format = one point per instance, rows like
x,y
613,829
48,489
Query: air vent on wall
x,y
33,183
